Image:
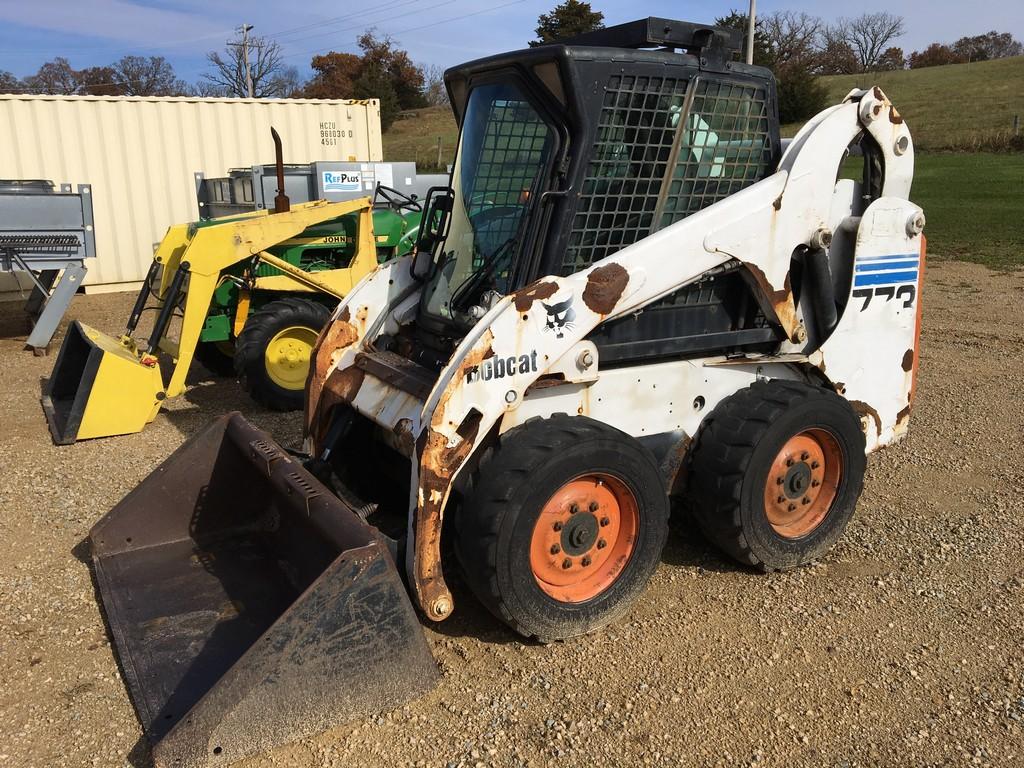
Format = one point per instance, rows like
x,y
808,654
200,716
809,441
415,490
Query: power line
x,y
366,25
337,19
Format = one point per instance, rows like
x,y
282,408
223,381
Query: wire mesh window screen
x,y
725,145
512,155
619,195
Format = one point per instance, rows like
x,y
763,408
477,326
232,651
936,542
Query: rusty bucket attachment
x,y
250,606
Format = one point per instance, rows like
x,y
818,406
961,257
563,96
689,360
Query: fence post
x,y
438,151
1016,125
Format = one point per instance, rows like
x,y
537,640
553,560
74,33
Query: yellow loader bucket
x,y
249,606
99,387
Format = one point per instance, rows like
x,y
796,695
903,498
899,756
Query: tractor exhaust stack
x,y
281,202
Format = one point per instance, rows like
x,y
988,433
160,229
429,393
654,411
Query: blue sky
x,y
438,32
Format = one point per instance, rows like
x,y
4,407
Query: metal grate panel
x,y
512,156
619,195
725,146
658,159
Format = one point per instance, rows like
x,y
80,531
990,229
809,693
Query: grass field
x,y
974,204
414,139
974,201
960,106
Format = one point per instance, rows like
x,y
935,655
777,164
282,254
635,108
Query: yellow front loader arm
x,y
104,386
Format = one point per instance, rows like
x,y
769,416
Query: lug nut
x,y
593,506
815,465
805,500
815,483
805,456
780,480
601,543
567,564
791,507
585,561
789,461
555,549
604,521
781,499
558,525
574,508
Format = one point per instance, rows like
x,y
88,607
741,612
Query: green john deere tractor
x,y
262,324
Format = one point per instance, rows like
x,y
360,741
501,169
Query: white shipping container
x,y
140,155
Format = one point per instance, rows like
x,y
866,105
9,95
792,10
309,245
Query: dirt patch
x,y
902,647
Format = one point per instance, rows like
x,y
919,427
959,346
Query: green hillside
x,y
972,199
414,138
959,106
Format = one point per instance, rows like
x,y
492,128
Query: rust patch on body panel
x,y
903,416
908,361
437,468
604,288
341,387
537,291
781,300
333,339
673,467
405,438
866,411
895,117
438,465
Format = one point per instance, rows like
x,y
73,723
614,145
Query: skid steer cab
x,y
628,294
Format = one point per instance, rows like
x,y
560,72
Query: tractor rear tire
x,y
562,525
273,350
776,473
214,357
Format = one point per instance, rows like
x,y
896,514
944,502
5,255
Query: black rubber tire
x,y
214,360
506,494
250,349
732,458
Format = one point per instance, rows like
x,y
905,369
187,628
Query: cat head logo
x,y
561,317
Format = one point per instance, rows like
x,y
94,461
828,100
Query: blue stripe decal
x,y
885,278
879,266
896,256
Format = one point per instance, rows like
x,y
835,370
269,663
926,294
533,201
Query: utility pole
x,y
245,29
750,32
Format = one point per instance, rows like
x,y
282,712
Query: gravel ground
x,y
903,647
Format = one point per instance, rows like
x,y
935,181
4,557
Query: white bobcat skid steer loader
x,y
627,293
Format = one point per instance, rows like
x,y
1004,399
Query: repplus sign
x,y
342,181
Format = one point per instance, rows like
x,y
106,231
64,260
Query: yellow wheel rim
x,y
287,356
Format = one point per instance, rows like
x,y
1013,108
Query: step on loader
x,y
629,293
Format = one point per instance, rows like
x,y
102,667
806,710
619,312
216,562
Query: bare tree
x,y
870,35
54,77
835,56
266,66
290,83
791,37
434,90
9,83
147,76
98,81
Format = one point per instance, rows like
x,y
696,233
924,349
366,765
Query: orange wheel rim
x,y
583,537
803,482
